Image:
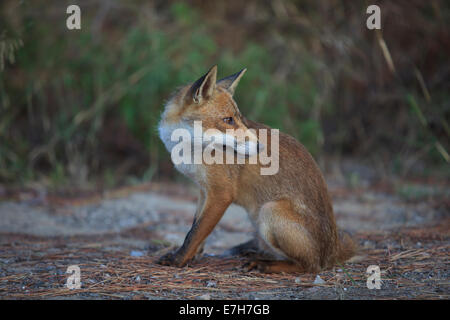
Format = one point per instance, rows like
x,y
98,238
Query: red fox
x,y
290,210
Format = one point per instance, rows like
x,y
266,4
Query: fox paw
x,y
170,259
255,265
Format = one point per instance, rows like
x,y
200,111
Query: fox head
x,y
212,103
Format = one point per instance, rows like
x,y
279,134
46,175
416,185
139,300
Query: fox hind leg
x,y
273,266
284,232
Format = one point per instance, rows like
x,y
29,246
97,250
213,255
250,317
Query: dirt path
x,y
116,238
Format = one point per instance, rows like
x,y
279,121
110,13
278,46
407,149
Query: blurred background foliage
x,y
81,107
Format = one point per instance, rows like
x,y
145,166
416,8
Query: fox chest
x,y
193,171
189,170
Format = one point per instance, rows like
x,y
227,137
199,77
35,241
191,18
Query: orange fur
x,y
291,210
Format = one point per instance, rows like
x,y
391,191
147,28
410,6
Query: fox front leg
x,y
200,205
209,215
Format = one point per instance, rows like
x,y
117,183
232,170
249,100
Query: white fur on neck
x,y
165,133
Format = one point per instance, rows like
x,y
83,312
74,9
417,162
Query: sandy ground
x,y
115,239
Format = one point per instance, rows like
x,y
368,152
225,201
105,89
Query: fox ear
x,y
204,87
230,83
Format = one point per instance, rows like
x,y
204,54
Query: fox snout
x,y
247,143
243,142
249,147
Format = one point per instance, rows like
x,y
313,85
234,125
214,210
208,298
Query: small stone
x,y
205,297
212,284
297,280
318,280
138,279
135,253
209,254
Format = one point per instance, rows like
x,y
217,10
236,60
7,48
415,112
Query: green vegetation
x,y
80,105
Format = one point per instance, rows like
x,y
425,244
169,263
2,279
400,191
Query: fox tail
x,y
346,247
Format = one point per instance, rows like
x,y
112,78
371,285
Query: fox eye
x,y
228,120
